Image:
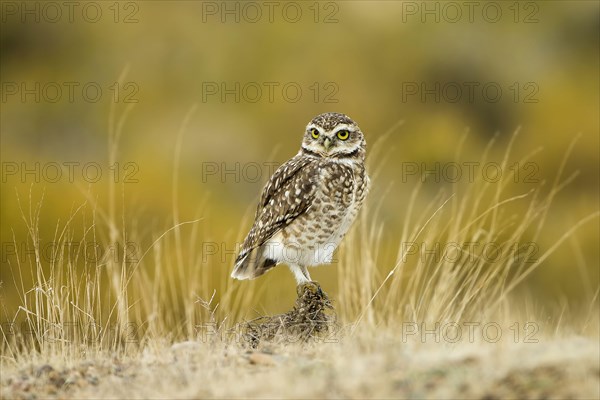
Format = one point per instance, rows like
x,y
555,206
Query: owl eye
x,y
343,134
315,133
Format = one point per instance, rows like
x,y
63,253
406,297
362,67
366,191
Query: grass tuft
x,y
312,319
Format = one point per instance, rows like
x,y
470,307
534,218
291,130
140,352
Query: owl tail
x,y
252,264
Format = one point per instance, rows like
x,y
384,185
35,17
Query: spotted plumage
x,y
309,203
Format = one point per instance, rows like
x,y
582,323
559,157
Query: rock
x,y
262,359
43,370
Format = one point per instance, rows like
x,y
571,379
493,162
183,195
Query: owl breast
x,y
312,238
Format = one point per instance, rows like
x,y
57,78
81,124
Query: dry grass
x,y
164,325
312,319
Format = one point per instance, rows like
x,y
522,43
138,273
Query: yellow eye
x,y
343,134
315,133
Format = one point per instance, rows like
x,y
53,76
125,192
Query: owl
x,y
309,203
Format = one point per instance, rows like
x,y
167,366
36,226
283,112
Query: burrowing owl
x,y
309,203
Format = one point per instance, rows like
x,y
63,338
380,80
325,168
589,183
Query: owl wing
x,y
288,194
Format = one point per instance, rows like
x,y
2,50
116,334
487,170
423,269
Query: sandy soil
x,y
375,367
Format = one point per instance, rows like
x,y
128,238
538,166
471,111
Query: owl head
x,y
334,135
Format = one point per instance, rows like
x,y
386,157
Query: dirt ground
x,y
355,367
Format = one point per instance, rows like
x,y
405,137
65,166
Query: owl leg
x,y
300,273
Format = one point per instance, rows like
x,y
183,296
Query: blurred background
x,y
214,95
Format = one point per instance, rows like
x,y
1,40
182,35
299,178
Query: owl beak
x,y
327,144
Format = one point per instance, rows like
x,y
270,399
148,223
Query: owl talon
x,y
320,292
